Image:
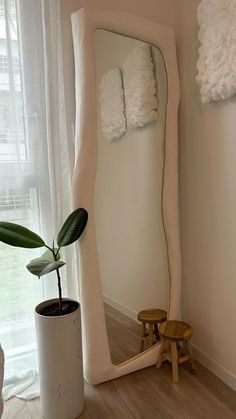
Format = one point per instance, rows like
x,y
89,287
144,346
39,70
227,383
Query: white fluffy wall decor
x,y
112,104
216,64
140,87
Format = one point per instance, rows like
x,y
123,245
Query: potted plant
x,y
58,326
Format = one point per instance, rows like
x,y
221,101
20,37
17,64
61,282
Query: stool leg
x,y
174,361
159,358
192,363
156,332
143,333
150,334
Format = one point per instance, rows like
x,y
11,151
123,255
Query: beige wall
x,y
208,208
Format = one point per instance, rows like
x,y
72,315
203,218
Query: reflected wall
x,y
130,235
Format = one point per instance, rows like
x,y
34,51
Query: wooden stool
x,y
173,332
152,317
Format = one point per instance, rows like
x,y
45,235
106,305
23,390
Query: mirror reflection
x,y
131,243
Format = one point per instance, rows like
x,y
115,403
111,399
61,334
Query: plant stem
x,y
58,250
58,283
60,292
49,248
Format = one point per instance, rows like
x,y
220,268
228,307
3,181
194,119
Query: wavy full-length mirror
x,y
126,176
131,241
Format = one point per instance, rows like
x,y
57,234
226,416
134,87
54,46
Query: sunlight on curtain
x,y
35,175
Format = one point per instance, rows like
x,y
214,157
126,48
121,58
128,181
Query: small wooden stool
x,y
152,317
173,332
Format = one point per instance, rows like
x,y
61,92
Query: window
x,y
13,145
24,190
4,67
33,143
18,206
3,64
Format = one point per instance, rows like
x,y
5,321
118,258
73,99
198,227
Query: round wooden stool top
x,y
175,330
152,315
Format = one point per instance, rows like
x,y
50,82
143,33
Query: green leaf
x,y
48,255
40,266
73,227
16,235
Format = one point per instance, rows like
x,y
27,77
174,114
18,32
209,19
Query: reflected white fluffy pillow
x,y
140,87
113,118
217,54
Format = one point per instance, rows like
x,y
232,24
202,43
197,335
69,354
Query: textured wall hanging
x,y
140,87
112,104
217,53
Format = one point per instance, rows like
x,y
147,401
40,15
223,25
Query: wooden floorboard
x,y
145,394
123,335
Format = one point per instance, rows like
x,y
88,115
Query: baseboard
x,y
214,367
120,307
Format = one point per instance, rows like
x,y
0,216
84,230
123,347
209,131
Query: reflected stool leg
x,y
174,361
156,331
159,357
143,334
150,334
192,363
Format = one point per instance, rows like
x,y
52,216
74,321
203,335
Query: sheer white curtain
x,y
35,174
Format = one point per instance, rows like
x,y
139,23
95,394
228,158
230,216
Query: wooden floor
x,y
123,335
145,394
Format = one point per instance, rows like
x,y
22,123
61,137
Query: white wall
x,y
208,209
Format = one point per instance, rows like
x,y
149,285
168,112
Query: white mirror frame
x,y
98,365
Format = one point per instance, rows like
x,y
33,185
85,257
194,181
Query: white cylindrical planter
x,y
60,363
1,378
